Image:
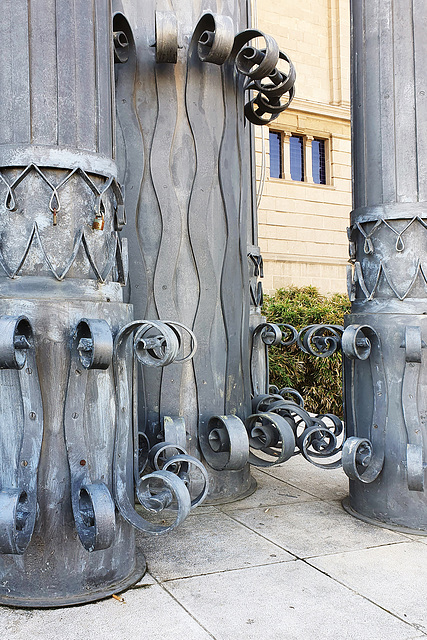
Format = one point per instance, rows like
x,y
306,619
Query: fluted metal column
x,y
62,268
385,393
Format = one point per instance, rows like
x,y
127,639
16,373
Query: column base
x,y
231,492
72,600
379,523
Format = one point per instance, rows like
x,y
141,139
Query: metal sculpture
x,y
385,454
69,459
188,179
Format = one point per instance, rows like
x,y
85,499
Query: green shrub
x,y
319,380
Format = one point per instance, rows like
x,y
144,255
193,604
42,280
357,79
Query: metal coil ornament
x,y
260,67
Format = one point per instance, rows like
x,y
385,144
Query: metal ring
x,y
271,334
186,460
312,339
94,342
224,443
214,35
272,435
255,115
174,488
255,66
155,453
17,519
166,37
156,350
288,391
192,337
305,441
288,80
262,403
288,329
16,337
359,460
355,344
95,516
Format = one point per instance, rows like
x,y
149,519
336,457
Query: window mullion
x,y
286,156
308,158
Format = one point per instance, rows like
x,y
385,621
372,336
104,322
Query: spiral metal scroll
x,y
172,457
259,66
265,335
317,438
363,458
224,443
18,504
273,436
155,344
415,440
91,501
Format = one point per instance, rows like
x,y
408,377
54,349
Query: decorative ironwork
x,y
55,202
216,45
224,443
363,458
355,276
317,438
166,37
415,448
116,257
369,247
92,504
179,462
18,503
321,340
155,344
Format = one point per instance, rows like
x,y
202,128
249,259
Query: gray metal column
x,y
186,151
61,262
386,391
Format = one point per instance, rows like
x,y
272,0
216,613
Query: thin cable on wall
x,y
260,189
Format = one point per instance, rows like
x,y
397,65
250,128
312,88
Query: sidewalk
x,y
285,563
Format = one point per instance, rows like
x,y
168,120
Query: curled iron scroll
x,y
155,344
18,505
92,504
264,335
122,38
171,455
224,443
320,340
180,465
363,458
415,446
216,44
316,437
214,38
166,37
263,76
273,436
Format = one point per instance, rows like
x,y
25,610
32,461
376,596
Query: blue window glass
x,y
297,158
275,154
319,161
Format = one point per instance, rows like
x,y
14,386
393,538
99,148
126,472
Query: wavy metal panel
x,y
186,160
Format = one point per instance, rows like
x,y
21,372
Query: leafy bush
x,y
319,380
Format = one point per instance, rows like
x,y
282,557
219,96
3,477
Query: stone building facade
x,y
304,159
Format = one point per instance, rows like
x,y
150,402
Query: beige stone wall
x,y
302,225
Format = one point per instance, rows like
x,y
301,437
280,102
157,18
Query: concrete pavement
x,y
286,563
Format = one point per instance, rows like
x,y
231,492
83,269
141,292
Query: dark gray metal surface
x,y
68,465
385,394
185,157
